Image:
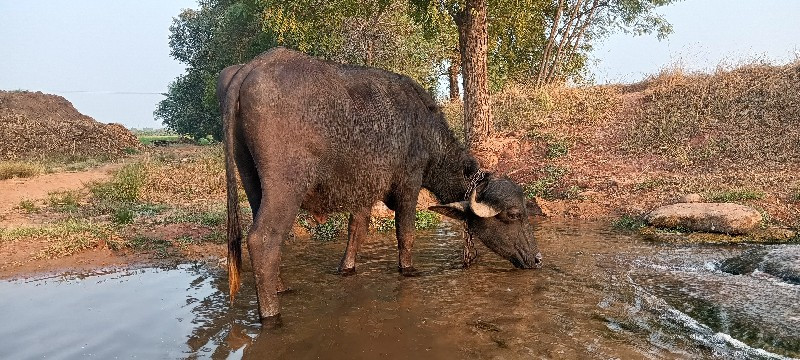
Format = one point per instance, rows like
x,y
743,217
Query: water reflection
x,y
600,295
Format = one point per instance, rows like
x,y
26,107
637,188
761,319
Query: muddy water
x,y
600,295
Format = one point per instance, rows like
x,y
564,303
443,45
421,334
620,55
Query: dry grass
x,y
64,238
525,108
199,178
19,169
521,108
632,148
748,117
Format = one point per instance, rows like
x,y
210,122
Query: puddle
x,y
600,295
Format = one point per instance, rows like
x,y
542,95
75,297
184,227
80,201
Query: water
x,y
600,295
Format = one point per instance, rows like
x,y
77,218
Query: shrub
x,y
423,220
557,149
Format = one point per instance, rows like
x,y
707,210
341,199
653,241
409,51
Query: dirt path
x,y
13,191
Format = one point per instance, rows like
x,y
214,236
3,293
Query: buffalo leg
x,y
404,218
356,232
271,225
252,188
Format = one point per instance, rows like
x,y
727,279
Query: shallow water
x,y
600,295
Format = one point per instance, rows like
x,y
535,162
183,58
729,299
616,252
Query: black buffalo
x,y
325,137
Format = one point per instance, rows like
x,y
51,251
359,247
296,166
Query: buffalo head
x,y
496,212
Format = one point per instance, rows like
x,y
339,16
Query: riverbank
x,y
601,153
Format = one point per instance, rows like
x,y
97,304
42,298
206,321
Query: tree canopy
x,y
528,41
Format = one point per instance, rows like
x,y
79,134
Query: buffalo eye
x,y
514,215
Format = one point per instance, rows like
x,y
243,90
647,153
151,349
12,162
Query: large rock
x,y
723,218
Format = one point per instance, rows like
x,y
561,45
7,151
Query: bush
x,y
546,186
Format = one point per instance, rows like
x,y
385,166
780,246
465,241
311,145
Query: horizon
x,y
85,51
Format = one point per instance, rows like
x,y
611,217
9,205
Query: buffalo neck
x,y
446,177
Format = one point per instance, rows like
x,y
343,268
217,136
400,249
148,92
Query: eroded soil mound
x,y
38,125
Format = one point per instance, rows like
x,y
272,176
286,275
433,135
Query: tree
x,y
219,33
473,42
575,24
470,18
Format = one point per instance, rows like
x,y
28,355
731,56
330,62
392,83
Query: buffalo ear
x,y
454,210
533,208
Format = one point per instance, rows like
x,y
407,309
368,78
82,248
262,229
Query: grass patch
x,y
64,238
629,222
735,195
64,201
212,218
19,169
650,184
123,215
729,116
423,220
795,196
161,247
557,149
547,186
149,139
125,186
216,237
28,206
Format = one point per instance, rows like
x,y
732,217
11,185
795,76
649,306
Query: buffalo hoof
x,y
408,271
271,322
347,271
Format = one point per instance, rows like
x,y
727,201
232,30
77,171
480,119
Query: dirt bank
x,y
606,153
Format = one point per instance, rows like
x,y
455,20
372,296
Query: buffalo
x,y
311,134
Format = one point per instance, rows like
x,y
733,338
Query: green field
x,y
148,139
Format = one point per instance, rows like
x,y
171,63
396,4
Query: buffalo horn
x,y
481,209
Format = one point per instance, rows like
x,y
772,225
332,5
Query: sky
x,y
111,58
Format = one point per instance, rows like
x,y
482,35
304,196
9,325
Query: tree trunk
x,y
473,41
452,75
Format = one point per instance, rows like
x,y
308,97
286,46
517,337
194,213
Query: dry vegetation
x,y
165,203
605,151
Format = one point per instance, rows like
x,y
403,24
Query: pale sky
x,y
111,58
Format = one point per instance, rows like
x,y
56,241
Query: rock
x,y
725,218
692,198
782,262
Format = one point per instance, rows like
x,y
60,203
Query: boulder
x,y
725,218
